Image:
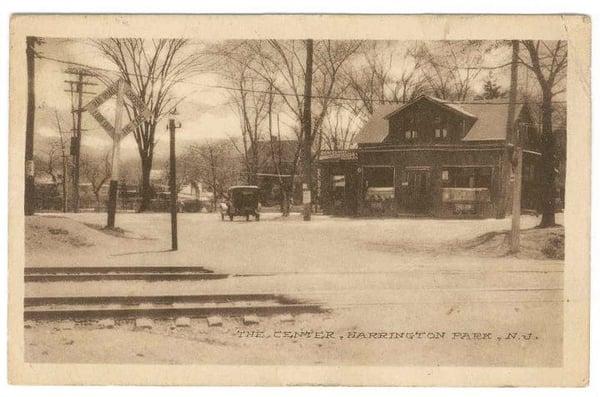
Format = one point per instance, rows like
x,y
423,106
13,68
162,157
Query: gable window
x,y
410,134
441,133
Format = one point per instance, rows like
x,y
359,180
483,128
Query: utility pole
x,y
29,168
307,132
76,90
116,148
65,165
515,238
173,179
513,135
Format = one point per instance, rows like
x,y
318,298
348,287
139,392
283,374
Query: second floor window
x,y
441,133
410,134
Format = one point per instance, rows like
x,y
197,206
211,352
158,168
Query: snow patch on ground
x,y
547,243
55,233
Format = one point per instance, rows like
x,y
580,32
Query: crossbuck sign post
x,y
119,88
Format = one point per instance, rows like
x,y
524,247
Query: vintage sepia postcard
x,y
299,200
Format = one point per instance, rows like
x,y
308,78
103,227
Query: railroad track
x,y
162,306
148,306
101,273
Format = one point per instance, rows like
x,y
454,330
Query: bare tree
x,y
450,68
284,161
48,161
280,65
214,164
184,172
130,173
53,159
251,105
383,74
339,129
548,62
277,68
152,68
96,170
65,160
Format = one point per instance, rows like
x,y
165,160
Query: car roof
x,y
243,187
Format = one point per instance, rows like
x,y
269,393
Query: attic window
x,y
441,133
410,134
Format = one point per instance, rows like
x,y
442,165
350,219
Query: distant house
x,y
48,195
432,157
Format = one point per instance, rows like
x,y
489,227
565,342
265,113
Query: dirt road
x,y
400,292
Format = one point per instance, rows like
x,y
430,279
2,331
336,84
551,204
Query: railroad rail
x,y
100,273
162,306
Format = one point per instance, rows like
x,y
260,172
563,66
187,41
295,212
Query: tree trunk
x,y
307,131
98,200
146,191
285,200
548,173
214,191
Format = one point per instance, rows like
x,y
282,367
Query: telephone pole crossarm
x,y
76,89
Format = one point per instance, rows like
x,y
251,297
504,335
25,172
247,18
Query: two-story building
x,y
431,157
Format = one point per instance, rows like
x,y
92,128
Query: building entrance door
x,y
418,192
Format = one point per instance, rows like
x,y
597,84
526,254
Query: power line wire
x,y
256,91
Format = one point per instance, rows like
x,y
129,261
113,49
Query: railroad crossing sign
x,y
119,88
143,112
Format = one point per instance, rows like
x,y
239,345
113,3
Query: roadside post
x,y
121,89
517,163
173,125
116,149
307,133
513,136
29,127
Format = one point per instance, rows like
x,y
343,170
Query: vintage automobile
x,y
241,201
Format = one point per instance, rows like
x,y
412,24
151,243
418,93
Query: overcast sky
x,y
204,114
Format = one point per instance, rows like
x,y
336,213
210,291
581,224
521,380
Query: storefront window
x,y
467,177
379,193
339,180
379,176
